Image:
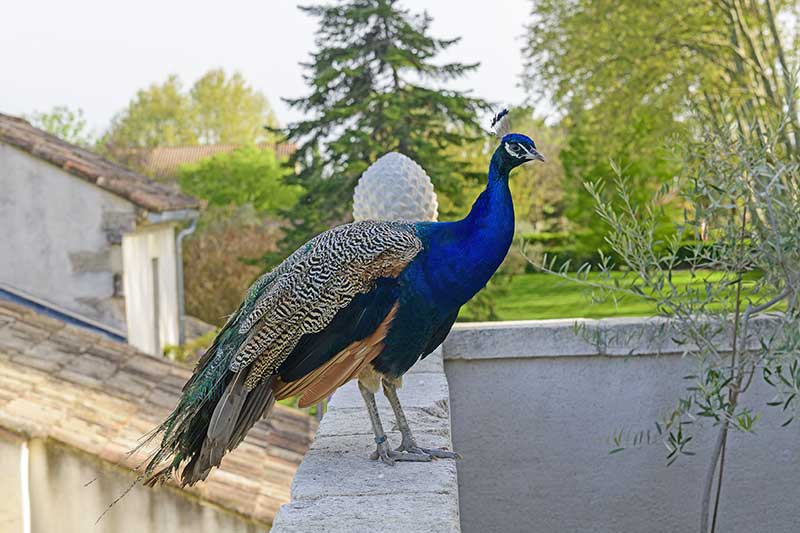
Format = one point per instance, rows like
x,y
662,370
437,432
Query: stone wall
x,y
338,489
535,406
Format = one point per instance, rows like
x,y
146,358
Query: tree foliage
x,y
217,109
247,175
218,266
226,110
159,115
725,70
373,89
65,123
626,74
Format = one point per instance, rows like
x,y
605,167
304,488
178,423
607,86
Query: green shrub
x,y
248,175
578,249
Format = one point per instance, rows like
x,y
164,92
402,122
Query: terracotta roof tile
x,y
164,161
60,382
89,166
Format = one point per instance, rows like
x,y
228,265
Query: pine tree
x,y
372,91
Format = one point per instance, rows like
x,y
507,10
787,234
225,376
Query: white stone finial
x,y
395,187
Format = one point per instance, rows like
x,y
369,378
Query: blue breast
x,y
458,258
456,262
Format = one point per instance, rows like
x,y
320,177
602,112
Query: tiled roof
x,y
89,166
100,396
163,162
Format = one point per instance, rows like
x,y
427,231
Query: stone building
x,y
89,239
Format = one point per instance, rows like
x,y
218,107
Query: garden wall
x,y
534,407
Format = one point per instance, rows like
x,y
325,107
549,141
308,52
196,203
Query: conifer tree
x,y
373,82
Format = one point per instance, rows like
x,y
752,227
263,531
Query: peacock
x,y
364,301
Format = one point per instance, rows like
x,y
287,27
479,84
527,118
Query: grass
x,y
542,296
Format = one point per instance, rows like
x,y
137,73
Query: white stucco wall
x,y
68,491
11,498
57,236
153,311
533,410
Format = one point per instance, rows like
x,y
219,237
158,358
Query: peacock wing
x,y
348,272
303,300
323,361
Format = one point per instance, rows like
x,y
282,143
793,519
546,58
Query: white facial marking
x,y
528,154
510,151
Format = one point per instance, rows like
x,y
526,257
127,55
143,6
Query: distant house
x,y
74,403
165,161
88,239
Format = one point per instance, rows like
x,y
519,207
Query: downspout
x,y
25,486
188,230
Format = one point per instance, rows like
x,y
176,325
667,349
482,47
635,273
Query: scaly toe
x,y
384,457
407,456
438,453
389,456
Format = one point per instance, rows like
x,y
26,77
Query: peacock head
x,y
515,148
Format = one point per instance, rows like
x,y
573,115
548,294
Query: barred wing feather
x,y
342,263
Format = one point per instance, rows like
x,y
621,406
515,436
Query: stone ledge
x,y
562,338
338,488
432,513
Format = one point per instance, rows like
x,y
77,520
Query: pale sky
x,y
95,54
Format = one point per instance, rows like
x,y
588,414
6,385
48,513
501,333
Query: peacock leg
x,y
409,444
384,451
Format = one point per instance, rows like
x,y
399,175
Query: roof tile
x,y
165,161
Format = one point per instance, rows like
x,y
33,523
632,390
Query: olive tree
x,y
740,195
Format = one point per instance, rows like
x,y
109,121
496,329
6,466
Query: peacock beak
x,y
533,154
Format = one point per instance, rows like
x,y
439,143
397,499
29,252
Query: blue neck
x,y
462,256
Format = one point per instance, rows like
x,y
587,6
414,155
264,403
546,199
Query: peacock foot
x,y
386,454
409,446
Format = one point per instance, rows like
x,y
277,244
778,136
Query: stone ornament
x,y
395,187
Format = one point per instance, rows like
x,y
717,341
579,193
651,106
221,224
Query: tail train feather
x,y
214,412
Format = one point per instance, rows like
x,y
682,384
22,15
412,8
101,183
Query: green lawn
x,y
540,296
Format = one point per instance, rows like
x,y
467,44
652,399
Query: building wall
x,y
68,492
534,409
149,259
61,237
11,501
